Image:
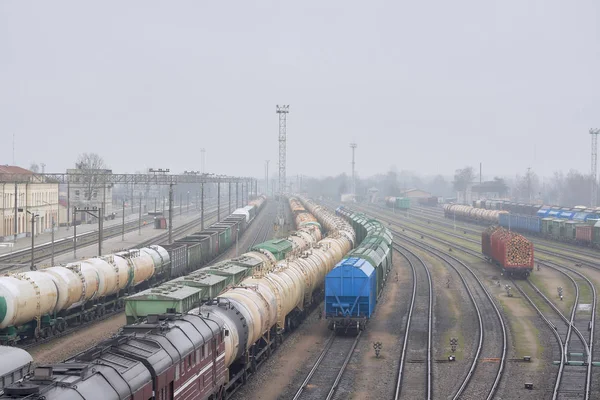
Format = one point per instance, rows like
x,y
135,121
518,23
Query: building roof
x,y
12,169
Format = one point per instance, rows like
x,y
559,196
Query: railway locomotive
x,y
353,287
40,304
208,352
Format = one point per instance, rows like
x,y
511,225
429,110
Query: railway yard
x,y
447,322
513,338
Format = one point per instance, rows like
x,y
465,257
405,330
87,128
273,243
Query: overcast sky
x,y
425,86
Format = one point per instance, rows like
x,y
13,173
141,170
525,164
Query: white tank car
x,y
27,295
159,255
141,263
259,303
69,286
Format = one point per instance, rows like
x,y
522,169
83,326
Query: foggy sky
x,y
425,86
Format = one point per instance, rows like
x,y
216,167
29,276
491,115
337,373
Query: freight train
x,y
353,287
206,353
185,293
509,250
578,213
40,304
582,228
398,203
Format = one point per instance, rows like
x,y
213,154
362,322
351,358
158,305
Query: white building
x,y
86,190
35,197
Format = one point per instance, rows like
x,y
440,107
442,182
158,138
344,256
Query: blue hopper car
x,y
350,294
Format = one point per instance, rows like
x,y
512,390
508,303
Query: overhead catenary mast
x,y
282,111
353,188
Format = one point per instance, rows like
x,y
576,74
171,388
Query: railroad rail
x,y
410,381
475,383
22,257
325,375
570,377
570,381
74,328
582,251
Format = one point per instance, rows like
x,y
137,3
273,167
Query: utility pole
x,y
594,133
267,179
529,183
171,214
123,223
219,201
202,159
282,111
140,216
202,206
353,191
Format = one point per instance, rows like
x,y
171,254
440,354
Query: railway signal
x,y
560,292
377,346
453,344
508,292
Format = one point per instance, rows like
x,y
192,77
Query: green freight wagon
x,y
212,285
596,234
278,247
570,230
558,228
402,203
547,226
234,272
161,299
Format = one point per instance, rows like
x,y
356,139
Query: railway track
x,y
20,258
325,374
178,231
574,378
542,245
416,381
490,355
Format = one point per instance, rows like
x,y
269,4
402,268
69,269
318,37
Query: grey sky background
x,y
425,86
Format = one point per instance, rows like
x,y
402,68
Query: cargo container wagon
x,y
512,252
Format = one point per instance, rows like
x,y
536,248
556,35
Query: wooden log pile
x,y
519,250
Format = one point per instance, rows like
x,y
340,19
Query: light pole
x,y
236,240
33,216
52,259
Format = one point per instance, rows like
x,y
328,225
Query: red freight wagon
x,y
583,233
509,250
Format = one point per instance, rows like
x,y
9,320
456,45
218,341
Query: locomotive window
x,y
203,351
198,355
177,372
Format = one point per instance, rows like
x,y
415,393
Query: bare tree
x,y
34,167
462,179
90,166
527,186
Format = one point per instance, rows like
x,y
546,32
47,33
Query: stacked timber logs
x,y
510,248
